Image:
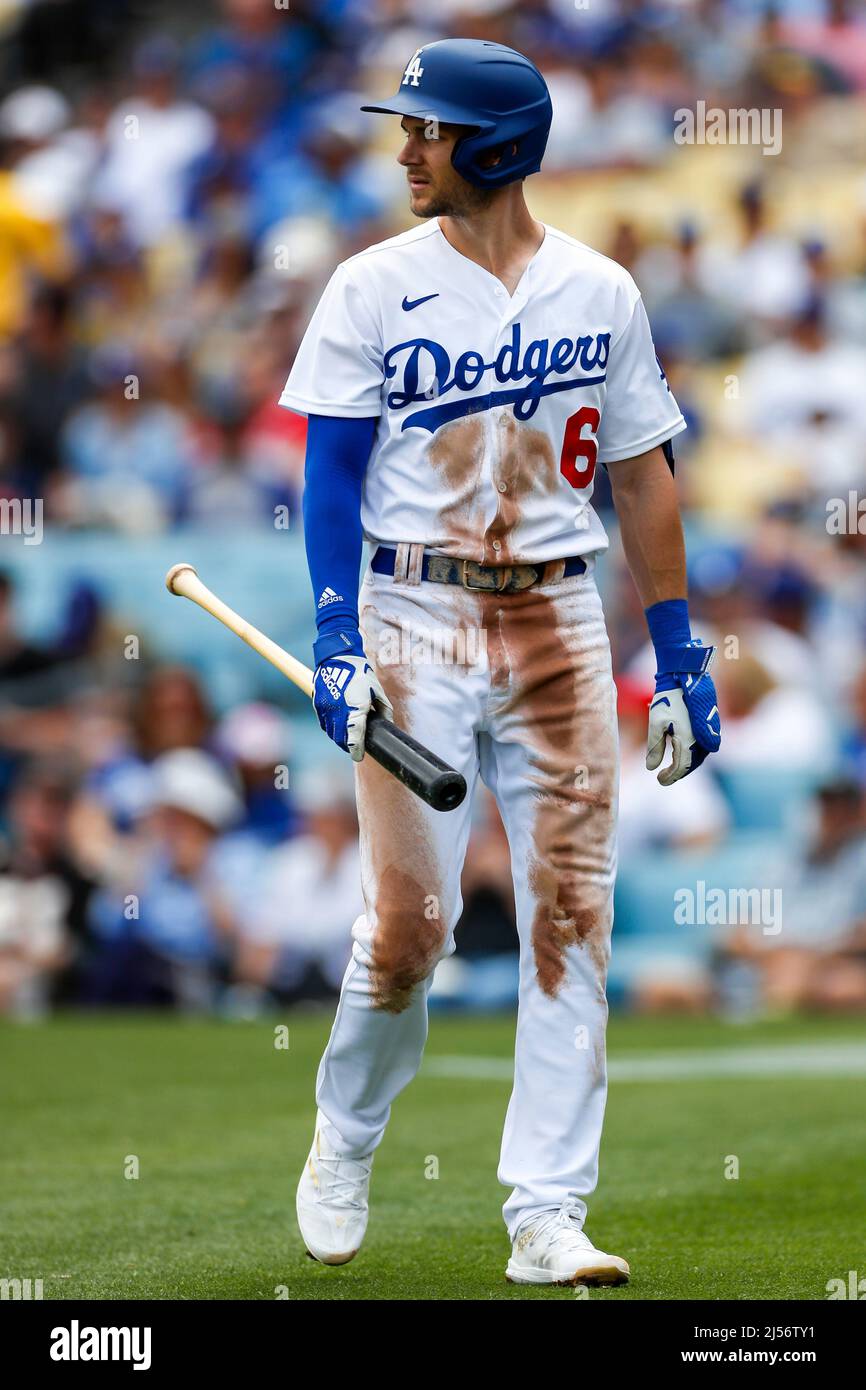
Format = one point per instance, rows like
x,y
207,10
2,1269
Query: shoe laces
x,y
346,1177
565,1226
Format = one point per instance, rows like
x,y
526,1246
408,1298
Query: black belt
x,y
500,579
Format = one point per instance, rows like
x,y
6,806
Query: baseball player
x,y
463,381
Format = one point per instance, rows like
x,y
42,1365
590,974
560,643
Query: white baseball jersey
x,y
493,410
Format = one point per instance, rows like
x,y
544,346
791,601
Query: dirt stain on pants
x,y
400,875
555,675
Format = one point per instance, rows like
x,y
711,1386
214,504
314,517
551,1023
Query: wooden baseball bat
x,y
399,753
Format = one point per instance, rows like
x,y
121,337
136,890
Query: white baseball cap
x,y
255,733
192,781
326,787
33,113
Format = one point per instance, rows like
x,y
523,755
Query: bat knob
x,y
447,791
173,574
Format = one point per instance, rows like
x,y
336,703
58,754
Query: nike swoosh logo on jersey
x,y
410,304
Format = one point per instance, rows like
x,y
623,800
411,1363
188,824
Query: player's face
x,y
435,187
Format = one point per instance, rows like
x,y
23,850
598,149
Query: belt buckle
x,y
503,574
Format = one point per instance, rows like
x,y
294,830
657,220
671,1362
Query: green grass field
x,y
220,1122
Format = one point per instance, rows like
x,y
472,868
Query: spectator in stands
x,y
43,896
838,37
153,138
770,725
280,48
172,712
31,239
220,181
42,683
165,914
110,287
295,940
49,380
805,393
846,292
765,603
53,160
235,487
621,127
329,173
818,959
254,739
764,278
128,456
686,310
855,742
118,745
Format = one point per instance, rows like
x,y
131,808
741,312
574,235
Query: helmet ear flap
x,y
491,159
471,162
458,146
486,161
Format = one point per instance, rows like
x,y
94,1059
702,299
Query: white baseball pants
x,y
517,689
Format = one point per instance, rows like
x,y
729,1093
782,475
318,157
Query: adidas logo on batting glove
x,y
344,691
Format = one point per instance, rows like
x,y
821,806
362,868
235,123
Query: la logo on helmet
x,y
414,71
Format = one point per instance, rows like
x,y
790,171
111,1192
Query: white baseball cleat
x,y
332,1203
551,1248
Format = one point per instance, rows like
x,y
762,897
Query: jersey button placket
x,y
510,306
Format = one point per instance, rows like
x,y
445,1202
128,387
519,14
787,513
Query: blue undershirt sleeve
x,y
337,453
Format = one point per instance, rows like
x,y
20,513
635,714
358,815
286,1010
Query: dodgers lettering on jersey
x,y
494,410
510,365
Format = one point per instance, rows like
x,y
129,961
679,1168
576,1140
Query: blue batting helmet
x,y
494,90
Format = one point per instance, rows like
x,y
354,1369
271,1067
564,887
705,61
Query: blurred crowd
x,y
175,189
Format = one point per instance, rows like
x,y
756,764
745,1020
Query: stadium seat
x,y
646,933
768,798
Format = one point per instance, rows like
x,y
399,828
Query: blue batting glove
x,y
345,688
684,708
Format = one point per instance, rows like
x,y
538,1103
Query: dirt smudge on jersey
x,y
523,463
457,454
563,697
520,461
401,877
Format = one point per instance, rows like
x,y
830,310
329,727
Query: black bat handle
x,y
411,763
